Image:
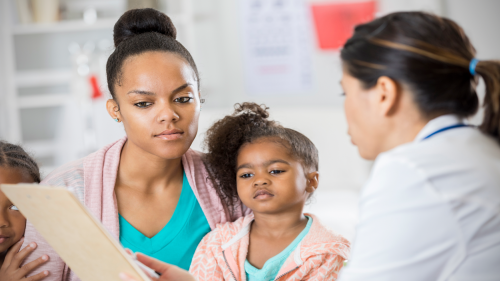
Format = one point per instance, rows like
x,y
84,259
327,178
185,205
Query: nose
x,y
261,181
167,114
4,222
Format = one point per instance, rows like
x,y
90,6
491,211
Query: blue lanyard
x,y
446,129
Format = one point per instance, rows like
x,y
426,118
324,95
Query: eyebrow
x,y
179,89
139,92
270,162
148,93
276,161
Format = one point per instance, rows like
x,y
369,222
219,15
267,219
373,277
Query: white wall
x,y
480,19
3,101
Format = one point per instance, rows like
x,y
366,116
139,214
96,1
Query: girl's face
x,y
270,180
157,100
12,222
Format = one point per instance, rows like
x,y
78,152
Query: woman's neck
x,y
404,125
279,224
145,171
405,132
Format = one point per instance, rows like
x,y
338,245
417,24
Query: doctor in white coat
x,y
431,207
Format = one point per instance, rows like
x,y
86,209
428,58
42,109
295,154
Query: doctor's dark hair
x,y
139,31
14,157
249,123
429,55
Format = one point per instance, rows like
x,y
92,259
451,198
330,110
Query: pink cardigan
x,y
222,253
92,179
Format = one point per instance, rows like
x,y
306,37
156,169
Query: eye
x,y
276,172
143,104
14,208
246,175
183,99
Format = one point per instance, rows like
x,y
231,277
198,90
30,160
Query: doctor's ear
x,y
386,96
312,181
113,110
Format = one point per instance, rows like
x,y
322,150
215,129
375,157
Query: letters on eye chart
x,y
277,46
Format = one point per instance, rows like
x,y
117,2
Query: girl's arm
x,y
55,266
327,268
204,265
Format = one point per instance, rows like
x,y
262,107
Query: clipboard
x,y
73,232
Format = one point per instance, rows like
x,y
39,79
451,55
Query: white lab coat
x,y
431,210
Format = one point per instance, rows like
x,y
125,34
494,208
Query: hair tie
x,y
472,66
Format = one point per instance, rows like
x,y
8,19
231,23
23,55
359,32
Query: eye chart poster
x,y
277,47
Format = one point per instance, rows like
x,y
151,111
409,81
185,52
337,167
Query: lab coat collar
x,y
437,124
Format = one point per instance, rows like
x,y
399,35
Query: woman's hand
x,y
168,272
11,269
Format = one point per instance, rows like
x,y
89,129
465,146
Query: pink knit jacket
x,y
92,179
222,253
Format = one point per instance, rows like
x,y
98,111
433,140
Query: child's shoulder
x,y
320,235
225,232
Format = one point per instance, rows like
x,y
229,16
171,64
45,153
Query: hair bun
x,y
138,21
251,108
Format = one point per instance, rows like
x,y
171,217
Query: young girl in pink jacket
x,y
274,171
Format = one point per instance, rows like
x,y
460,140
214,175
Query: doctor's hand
x,y
11,269
168,272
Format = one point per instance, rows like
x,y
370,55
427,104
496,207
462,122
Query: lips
x,y
262,194
3,238
173,134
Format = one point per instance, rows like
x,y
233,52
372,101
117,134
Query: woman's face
x,y
157,100
364,125
12,222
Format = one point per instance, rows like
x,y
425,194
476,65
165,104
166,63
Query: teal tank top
x,y
177,241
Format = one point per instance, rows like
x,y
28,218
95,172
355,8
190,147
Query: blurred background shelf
x,y
44,100
36,78
43,148
81,25
63,26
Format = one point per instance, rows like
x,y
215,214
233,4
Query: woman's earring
x,y
116,119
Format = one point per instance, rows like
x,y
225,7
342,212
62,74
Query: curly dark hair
x,y
14,156
248,123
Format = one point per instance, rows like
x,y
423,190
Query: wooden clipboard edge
x,y
96,222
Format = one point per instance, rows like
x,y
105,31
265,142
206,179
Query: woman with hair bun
x,y
431,207
149,189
